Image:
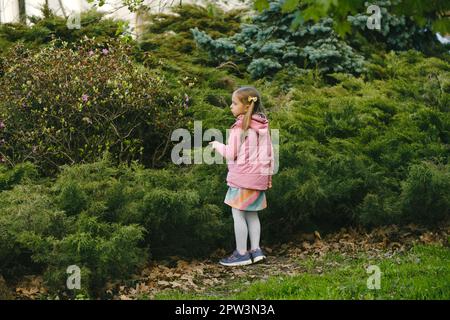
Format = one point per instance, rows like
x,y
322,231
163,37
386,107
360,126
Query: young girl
x,y
249,155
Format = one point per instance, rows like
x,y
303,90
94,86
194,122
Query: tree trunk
x,y
62,9
22,12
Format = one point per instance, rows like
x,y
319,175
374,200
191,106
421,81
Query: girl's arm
x,y
230,150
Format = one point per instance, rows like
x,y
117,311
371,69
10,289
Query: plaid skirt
x,y
246,199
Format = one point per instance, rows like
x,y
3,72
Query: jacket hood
x,y
258,121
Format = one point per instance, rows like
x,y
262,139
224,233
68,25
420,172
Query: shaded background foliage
x,y
50,26
267,44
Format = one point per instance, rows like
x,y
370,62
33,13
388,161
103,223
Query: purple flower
x,y
105,51
84,97
91,53
2,125
186,101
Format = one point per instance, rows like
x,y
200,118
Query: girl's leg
x,y
240,230
254,228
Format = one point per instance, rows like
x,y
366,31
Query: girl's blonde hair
x,y
249,95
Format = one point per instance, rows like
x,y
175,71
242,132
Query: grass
x,y
421,273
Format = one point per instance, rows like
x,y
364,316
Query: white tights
x,y
245,223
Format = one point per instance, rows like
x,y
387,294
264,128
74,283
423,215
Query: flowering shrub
x,y
67,104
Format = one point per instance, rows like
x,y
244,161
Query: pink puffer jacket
x,y
251,164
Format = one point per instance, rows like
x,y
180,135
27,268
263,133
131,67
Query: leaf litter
x,y
207,277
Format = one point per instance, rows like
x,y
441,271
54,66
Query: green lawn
x,y
421,273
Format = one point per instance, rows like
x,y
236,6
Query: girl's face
x,y
237,107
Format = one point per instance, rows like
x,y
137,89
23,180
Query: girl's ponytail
x,y
248,114
248,94
248,117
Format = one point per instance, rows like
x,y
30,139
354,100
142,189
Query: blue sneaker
x,y
257,255
237,259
